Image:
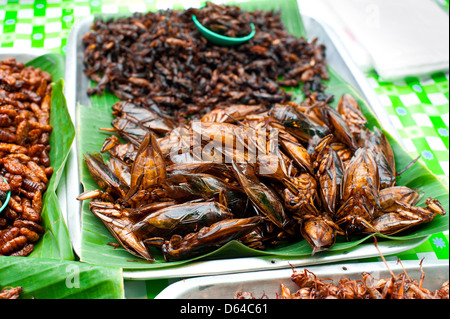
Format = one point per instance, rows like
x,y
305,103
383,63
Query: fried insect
x,y
149,168
329,172
119,225
359,193
206,239
319,231
143,117
384,156
351,113
263,197
406,216
301,195
10,292
104,177
180,219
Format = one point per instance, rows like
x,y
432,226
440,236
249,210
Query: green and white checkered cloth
x,y
418,108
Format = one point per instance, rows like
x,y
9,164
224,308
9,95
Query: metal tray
x,y
75,91
268,282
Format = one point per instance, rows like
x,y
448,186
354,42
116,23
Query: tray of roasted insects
x,y
199,159
32,111
410,279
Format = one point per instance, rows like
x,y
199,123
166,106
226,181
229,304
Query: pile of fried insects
x,y
25,102
10,293
161,61
396,287
210,148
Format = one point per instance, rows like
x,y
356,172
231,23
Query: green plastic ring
x,y
221,39
8,196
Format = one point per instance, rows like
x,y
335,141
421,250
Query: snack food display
x,y
25,106
276,170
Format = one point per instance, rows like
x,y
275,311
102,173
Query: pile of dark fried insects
x,y
25,102
160,61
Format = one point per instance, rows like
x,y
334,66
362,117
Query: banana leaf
x,y
43,278
95,236
55,242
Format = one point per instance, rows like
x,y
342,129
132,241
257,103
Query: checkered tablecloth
x,y
419,108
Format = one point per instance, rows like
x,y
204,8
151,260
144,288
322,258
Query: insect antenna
x,y
382,257
408,166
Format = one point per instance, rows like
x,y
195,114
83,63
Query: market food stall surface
x,y
417,107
